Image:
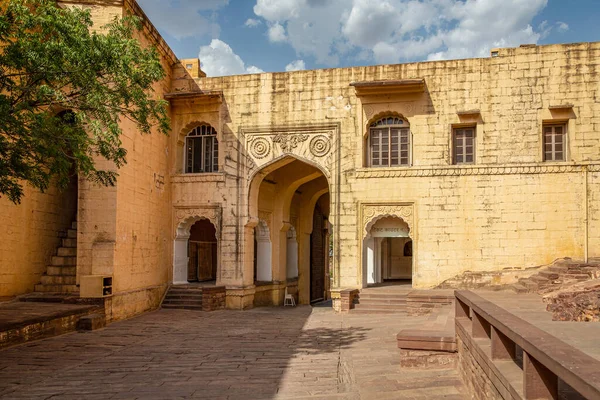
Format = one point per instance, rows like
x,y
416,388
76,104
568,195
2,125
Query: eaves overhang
x,y
203,97
403,86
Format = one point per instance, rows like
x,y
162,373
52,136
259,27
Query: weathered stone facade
x,y
288,142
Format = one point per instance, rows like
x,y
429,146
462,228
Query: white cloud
x,y
184,18
252,23
562,26
400,30
218,59
277,33
297,65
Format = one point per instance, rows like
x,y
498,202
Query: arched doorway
x,y
387,252
287,198
202,252
195,251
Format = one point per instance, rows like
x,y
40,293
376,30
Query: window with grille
x,y
464,145
555,142
389,143
202,150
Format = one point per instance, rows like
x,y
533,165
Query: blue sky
x,y
249,36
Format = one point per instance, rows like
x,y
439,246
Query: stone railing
x,y
505,357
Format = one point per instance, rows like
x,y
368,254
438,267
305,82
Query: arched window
x,y
202,150
389,143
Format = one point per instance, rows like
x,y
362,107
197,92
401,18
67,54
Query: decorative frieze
x,y
313,143
185,217
366,173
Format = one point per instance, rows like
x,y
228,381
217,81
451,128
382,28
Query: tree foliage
x,y
52,60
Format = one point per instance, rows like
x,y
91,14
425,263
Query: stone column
x,y
180,259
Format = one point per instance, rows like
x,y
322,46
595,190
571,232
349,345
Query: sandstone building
x,y
317,181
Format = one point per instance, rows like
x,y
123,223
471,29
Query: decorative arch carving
x,y
186,217
263,233
371,213
193,124
312,143
384,114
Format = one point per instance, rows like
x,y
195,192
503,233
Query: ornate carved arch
x,y
186,217
375,212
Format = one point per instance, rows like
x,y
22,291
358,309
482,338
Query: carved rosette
x,y
259,147
371,213
320,145
186,217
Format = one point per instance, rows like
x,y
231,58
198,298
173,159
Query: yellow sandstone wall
x,y
29,236
510,209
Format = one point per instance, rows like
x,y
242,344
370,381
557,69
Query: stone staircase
x,y
378,301
560,273
184,298
61,275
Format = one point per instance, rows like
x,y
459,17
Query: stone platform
x,y
25,321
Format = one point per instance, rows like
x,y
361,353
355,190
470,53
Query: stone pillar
x,y
304,268
180,259
370,260
264,271
291,255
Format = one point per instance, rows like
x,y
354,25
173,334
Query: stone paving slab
x,y
265,353
530,307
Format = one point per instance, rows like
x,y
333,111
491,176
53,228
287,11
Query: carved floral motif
x,y
183,215
289,142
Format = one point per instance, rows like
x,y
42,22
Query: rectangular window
x,y
202,154
464,145
389,147
555,142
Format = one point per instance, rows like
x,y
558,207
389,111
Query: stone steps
x,y
61,274
561,272
61,270
58,280
56,288
380,301
185,298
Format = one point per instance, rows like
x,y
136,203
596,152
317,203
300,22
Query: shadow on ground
x,y
264,353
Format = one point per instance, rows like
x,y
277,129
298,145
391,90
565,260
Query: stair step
x,y
371,306
74,225
183,302
61,271
183,296
377,311
66,261
181,292
178,307
67,252
58,280
69,243
56,288
72,233
382,296
381,301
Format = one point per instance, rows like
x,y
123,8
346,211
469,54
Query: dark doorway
x,y
202,250
318,256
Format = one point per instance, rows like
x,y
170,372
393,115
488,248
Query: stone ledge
x,y
414,339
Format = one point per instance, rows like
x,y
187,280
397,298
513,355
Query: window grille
x,y
202,150
389,143
464,146
554,142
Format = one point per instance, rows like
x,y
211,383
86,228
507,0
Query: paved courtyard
x,y
265,353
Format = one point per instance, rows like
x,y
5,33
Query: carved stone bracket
x,y
371,213
185,217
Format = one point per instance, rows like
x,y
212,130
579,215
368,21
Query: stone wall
x,y
509,209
